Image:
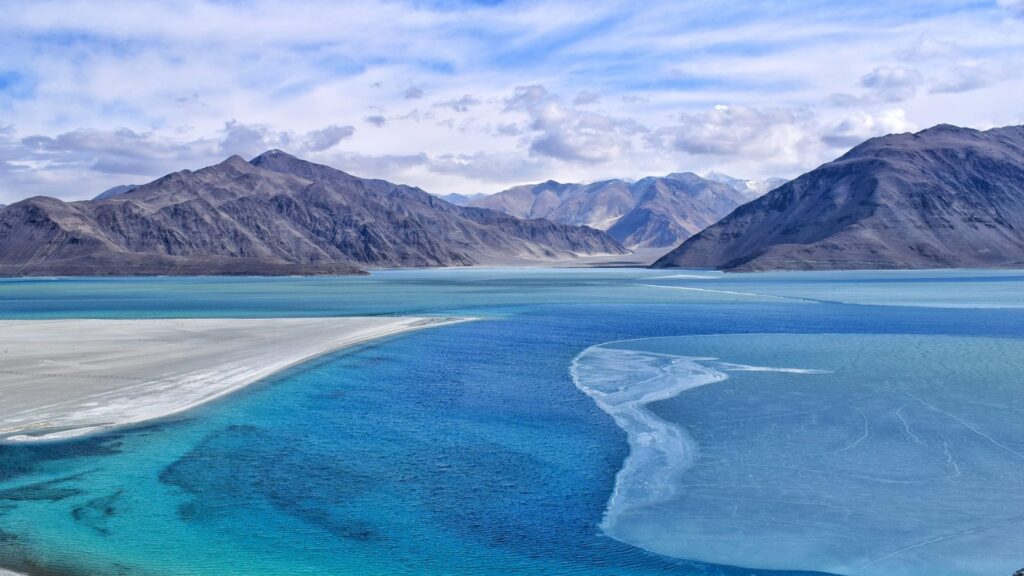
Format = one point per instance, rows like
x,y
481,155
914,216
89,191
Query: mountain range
x,y
461,199
653,212
943,197
277,214
750,188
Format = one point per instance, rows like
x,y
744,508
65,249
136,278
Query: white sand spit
x,y
66,378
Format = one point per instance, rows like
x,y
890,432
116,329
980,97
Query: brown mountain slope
x,y
651,212
276,215
943,197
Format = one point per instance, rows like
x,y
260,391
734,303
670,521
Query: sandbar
x,y
61,379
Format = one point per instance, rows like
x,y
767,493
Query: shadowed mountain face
x,y
275,215
944,197
652,212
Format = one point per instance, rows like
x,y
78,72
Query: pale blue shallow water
x,y
469,449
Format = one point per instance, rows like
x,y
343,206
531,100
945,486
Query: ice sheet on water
x,y
660,450
852,454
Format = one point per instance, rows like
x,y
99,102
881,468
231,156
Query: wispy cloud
x,y
892,83
467,97
586,97
963,78
462,104
1014,7
567,133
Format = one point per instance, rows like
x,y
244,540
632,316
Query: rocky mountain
x,y
943,197
750,189
651,212
116,191
275,215
461,199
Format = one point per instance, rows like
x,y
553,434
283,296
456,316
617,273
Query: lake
x,y
591,421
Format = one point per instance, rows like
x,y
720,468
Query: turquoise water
x,y
470,449
863,454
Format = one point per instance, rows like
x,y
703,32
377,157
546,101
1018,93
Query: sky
x,y
474,97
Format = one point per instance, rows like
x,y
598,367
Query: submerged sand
x,y
65,378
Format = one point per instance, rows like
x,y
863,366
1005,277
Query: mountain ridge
x,y
651,212
116,191
944,197
750,188
275,215
461,199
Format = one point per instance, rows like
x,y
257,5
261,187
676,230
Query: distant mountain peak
x,y
550,184
232,163
233,160
278,161
945,128
945,197
682,176
750,188
651,212
277,215
274,153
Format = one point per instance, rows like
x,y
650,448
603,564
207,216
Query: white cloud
x,y
584,97
567,133
328,137
892,83
462,104
121,151
738,130
250,140
376,165
780,140
489,167
857,127
82,162
963,78
928,49
143,88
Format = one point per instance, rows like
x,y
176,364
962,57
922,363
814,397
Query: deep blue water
x,y
465,449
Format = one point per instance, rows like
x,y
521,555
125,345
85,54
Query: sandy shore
x,y
65,378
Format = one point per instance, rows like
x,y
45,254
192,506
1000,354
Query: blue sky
x,y
475,97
